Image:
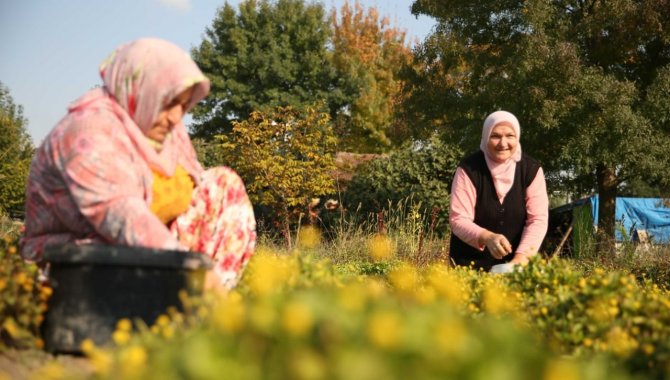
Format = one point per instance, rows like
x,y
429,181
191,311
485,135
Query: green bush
x,y
420,171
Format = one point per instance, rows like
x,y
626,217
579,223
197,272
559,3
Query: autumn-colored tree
x,y
284,155
370,53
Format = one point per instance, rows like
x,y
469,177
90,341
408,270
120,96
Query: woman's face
x,y
502,142
169,116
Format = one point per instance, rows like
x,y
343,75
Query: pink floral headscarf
x,y
502,172
142,77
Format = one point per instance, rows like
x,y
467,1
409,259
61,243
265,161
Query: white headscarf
x,y
502,172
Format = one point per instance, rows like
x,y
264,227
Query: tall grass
x,y
410,230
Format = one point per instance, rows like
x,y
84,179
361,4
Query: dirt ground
x,y
23,364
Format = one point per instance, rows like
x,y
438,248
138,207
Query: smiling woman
x,y
499,205
120,169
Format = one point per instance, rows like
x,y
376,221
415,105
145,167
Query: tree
x,y
16,152
577,74
266,55
285,157
371,54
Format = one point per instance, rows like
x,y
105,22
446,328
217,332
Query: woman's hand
x,y
519,259
497,244
213,283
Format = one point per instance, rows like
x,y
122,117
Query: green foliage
x,y
16,152
602,312
656,105
436,323
575,73
266,54
209,153
285,157
421,171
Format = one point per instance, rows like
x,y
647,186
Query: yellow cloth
x,y
171,195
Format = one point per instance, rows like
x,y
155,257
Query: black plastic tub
x,y
96,285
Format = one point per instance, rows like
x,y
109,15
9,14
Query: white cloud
x,y
180,5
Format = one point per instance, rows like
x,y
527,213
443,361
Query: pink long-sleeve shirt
x,y
462,213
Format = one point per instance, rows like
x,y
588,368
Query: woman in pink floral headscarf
x,y
119,168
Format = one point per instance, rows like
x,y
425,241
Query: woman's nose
x,y
175,114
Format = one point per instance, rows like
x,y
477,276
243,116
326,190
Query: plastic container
x,y
96,285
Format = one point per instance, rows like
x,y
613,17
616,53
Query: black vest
x,y
508,218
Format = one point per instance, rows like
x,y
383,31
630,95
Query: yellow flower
x,y
620,342
120,337
263,316
124,324
375,289
561,370
425,295
45,292
497,300
451,335
384,329
269,273
297,318
132,360
404,278
648,349
309,237
447,284
352,297
162,320
167,332
599,309
87,346
10,326
28,286
20,278
307,364
101,362
229,313
380,247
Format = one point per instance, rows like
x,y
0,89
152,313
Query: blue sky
x,y
50,50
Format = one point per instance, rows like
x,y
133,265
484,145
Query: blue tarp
x,y
648,214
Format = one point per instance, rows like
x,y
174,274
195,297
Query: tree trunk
x,y
607,185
